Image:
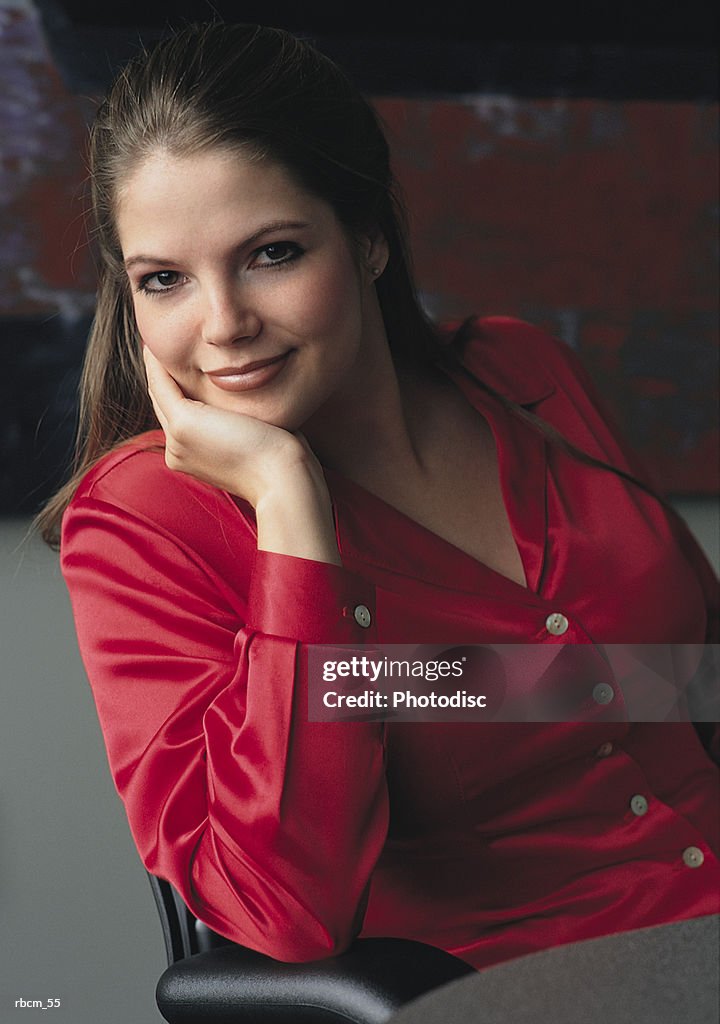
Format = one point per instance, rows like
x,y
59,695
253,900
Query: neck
x,y
381,429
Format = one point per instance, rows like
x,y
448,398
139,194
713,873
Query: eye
x,y
161,281
276,254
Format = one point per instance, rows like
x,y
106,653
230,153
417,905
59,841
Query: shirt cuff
x,y
312,602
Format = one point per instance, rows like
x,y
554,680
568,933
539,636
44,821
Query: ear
x,y
375,253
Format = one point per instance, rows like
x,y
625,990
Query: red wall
x,y
595,219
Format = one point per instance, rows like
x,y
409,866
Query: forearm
x,y
296,518
293,833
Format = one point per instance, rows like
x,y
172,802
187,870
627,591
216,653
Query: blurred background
x,y
560,166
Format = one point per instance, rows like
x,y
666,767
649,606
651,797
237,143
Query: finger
x,y
151,374
304,442
157,375
159,414
165,393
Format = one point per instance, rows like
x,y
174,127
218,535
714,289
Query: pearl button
x,y
362,616
603,693
639,805
693,857
556,624
604,750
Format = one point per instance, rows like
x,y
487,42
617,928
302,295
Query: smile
x,y
251,376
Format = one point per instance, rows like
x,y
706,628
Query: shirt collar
x,y
496,352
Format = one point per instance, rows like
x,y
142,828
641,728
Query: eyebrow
x,y
275,225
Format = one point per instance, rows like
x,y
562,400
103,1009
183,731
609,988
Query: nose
x,y
228,315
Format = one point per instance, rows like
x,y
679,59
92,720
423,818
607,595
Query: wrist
x,y
295,517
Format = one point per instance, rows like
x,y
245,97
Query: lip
x,y
250,376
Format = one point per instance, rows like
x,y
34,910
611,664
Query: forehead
x,y
180,200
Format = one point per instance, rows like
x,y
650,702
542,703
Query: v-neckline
x,y
371,530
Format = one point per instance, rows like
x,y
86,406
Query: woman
x,y
332,469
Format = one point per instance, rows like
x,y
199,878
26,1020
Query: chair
x,y
212,979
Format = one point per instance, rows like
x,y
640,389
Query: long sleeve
x,y
268,825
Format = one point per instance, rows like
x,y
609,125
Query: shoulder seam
x,y
521,387
115,460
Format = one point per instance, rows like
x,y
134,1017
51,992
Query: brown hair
x,y
270,95
267,93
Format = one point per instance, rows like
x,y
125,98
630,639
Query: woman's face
x,y
245,287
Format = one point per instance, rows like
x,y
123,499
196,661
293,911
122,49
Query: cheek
x,y
329,302
164,334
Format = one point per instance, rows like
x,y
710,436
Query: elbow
x,y
277,920
294,945
316,933
289,940
302,937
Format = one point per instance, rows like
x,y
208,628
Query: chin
x,y
285,419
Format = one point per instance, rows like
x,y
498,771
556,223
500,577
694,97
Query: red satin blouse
x,y
487,839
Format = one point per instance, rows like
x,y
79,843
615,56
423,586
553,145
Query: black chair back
x,y
184,935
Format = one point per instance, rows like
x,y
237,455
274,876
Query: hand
x,y
232,451
272,469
